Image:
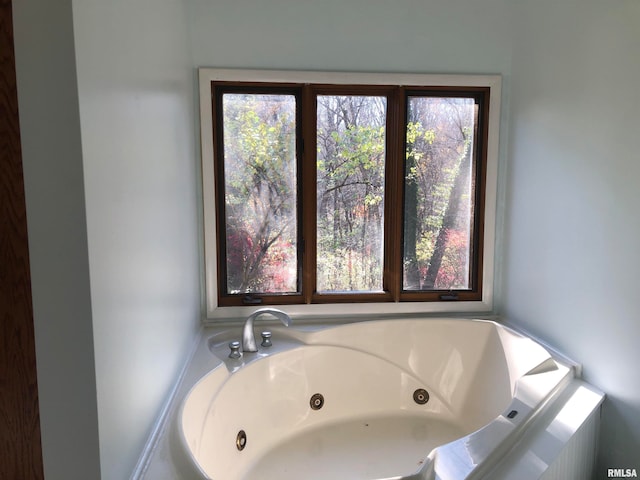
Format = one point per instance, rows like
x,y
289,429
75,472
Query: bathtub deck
x,y
364,449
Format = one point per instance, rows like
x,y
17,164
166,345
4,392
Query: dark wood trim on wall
x,y
20,446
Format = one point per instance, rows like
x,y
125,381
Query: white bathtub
x,y
251,419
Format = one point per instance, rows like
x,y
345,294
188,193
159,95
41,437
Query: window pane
x,y
260,193
350,192
438,193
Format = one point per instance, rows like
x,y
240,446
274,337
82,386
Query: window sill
x,y
340,312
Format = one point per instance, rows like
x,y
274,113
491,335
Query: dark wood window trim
x,y
218,89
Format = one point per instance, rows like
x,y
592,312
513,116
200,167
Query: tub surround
x,y
492,388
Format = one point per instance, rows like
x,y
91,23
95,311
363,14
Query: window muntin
x,y
479,299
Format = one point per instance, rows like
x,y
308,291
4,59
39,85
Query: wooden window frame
x,y
213,83
218,89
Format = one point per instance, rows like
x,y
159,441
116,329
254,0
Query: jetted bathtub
x,y
391,399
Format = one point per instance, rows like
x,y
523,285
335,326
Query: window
x,y
348,188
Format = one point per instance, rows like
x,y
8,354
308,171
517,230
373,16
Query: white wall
x,y
52,160
136,96
572,263
355,35
107,111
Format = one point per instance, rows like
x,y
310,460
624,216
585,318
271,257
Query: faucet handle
x,y
266,339
235,350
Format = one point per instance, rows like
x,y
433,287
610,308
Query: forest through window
x,y
348,193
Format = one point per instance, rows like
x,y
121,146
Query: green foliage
x,y
351,162
417,137
437,141
260,192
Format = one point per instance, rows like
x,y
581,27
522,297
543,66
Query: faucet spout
x,y
248,337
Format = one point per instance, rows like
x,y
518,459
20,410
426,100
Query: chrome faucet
x,y
248,337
